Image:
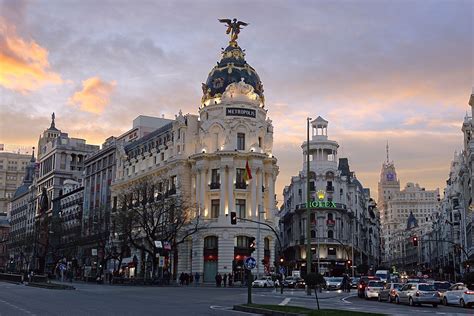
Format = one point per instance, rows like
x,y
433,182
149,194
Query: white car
x,y
373,288
459,294
263,282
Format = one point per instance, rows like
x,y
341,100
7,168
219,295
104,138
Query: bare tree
x,y
153,209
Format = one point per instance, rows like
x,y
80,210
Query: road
x,y
91,299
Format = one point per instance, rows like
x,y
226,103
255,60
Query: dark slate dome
x,y
232,68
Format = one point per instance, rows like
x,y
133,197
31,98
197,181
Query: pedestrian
x,y
196,278
230,280
181,279
191,278
217,280
186,278
225,279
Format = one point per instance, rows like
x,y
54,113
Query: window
x,y
260,142
239,178
242,242
330,217
215,205
331,251
240,207
210,242
240,141
330,234
215,176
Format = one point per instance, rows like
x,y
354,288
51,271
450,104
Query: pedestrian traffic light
x,y
252,244
415,241
233,218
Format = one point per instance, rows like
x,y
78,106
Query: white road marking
x,y
344,299
285,301
17,307
220,307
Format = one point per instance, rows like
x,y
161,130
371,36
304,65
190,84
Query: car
x,y
389,292
441,287
334,283
363,283
384,275
373,288
417,294
354,281
293,282
265,281
459,294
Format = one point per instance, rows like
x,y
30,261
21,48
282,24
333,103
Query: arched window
x,y
210,242
330,234
313,234
266,243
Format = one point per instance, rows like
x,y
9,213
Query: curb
x,y
51,286
262,311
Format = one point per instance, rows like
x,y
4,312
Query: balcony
x,y
331,222
241,185
215,186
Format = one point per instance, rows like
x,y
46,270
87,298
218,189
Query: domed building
x,y
222,161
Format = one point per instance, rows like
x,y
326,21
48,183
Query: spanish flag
x,y
248,173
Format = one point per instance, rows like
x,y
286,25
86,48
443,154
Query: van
x,y
384,275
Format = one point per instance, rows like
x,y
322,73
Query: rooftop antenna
x,y
388,160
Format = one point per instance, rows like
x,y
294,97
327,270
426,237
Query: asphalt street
x,y
92,299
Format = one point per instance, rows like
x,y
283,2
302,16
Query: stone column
x,y
202,190
223,179
271,195
226,252
230,188
198,192
259,191
253,193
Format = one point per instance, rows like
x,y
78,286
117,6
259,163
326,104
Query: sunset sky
x,y
397,71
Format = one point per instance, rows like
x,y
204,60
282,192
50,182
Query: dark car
x,y
362,284
293,282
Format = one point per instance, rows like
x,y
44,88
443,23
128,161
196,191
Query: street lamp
x,y
308,209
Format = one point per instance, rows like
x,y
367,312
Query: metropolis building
x,y
204,157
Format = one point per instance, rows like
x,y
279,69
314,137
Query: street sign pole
x,y
249,287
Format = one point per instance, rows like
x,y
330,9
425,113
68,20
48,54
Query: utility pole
x,y
308,209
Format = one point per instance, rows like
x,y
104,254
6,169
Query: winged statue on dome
x,y
233,28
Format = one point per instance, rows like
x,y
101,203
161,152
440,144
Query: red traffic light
x,y
414,239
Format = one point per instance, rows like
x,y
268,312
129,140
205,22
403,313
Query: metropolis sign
x,y
240,112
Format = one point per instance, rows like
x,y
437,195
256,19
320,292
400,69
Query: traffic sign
x,y
250,263
282,270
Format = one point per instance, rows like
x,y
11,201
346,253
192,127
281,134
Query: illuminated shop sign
x,y
322,204
240,112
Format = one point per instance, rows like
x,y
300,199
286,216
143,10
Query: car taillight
x,y
360,286
417,294
469,292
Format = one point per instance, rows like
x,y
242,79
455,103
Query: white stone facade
x,y
345,229
205,157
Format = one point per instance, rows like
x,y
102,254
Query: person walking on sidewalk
x,y
225,279
196,278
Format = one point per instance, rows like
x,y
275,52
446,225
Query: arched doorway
x,y
210,258
241,251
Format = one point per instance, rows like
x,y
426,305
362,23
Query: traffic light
x,y
282,260
414,239
252,244
349,263
233,218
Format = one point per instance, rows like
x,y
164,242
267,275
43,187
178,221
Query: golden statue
x,y
233,28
